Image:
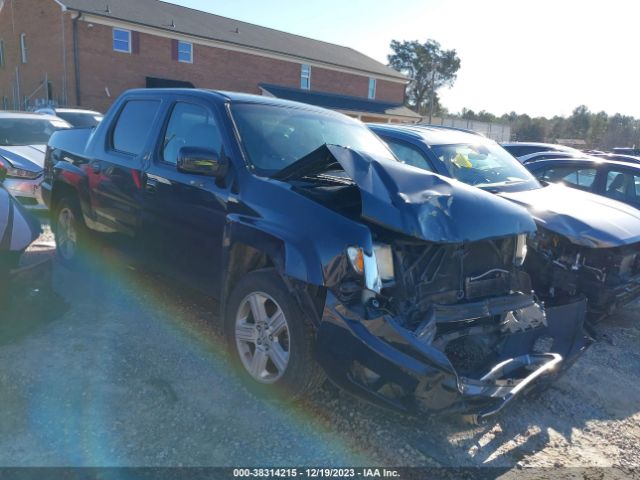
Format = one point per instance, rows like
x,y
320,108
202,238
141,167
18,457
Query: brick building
x,y
86,52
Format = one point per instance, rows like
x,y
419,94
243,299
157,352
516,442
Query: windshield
x,y
274,137
28,131
81,119
486,166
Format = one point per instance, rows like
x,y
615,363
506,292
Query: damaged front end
x,y
609,277
584,245
434,313
458,330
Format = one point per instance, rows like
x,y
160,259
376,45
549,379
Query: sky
x,y
541,57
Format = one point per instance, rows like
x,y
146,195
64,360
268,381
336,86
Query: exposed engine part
x,y
524,319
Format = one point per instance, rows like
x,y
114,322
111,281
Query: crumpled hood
x,y
416,202
585,219
18,229
26,157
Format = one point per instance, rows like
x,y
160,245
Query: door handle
x,y
150,184
96,167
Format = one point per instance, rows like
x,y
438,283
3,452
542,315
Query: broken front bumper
x,y
387,364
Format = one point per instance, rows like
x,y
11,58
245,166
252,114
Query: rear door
x,y
622,184
115,171
184,214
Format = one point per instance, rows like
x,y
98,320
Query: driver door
x,y
184,214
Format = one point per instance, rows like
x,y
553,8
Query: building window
x,y
121,40
1,53
372,88
185,52
305,77
23,47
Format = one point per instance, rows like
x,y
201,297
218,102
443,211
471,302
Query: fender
x,y
290,255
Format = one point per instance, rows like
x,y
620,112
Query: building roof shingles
x,y
167,16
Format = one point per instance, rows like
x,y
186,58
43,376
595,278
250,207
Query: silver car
x,y
23,140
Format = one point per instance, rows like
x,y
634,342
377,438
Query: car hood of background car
x,y
416,202
18,229
585,219
26,157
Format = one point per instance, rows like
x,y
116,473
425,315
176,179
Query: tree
x,y
428,66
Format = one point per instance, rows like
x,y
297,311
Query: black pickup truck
x,y
324,251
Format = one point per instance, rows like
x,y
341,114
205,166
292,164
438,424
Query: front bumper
x,y
27,192
385,363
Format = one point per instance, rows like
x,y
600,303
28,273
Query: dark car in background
x,y
23,140
523,149
585,244
320,246
76,117
616,180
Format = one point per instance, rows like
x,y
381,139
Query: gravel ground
x,y
120,368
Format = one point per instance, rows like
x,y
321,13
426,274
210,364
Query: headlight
x,y
521,250
384,261
18,172
375,268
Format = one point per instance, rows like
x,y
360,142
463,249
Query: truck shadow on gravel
x,y
28,313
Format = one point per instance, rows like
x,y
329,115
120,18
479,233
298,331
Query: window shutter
x,y
135,42
174,49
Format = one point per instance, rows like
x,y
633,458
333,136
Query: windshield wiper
x,y
499,184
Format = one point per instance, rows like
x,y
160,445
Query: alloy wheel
x,y
262,337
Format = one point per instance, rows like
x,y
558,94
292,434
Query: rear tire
x,y
271,341
70,232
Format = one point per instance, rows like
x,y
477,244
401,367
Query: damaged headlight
x,y
521,250
384,260
375,268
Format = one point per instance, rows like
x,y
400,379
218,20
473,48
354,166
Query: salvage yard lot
x,y
121,368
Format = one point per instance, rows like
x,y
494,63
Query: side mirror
x,y
201,161
3,173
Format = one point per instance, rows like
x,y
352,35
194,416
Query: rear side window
x,y
623,186
190,126
409,154
579,177
134,126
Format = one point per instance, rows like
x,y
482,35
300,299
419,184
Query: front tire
x,y
270,339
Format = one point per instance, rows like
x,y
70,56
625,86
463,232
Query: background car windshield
x,y
485,165
28,131
274,137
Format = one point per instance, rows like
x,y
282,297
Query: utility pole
x,y
433,91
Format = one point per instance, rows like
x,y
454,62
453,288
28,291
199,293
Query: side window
x,y
623,186
190,126
582,178
121,40
134,126
185,52
409,154
305,77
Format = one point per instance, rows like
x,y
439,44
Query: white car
x,y
23,143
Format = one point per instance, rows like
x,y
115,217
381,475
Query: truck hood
x,y
18,229
585,219
26,157
415,202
